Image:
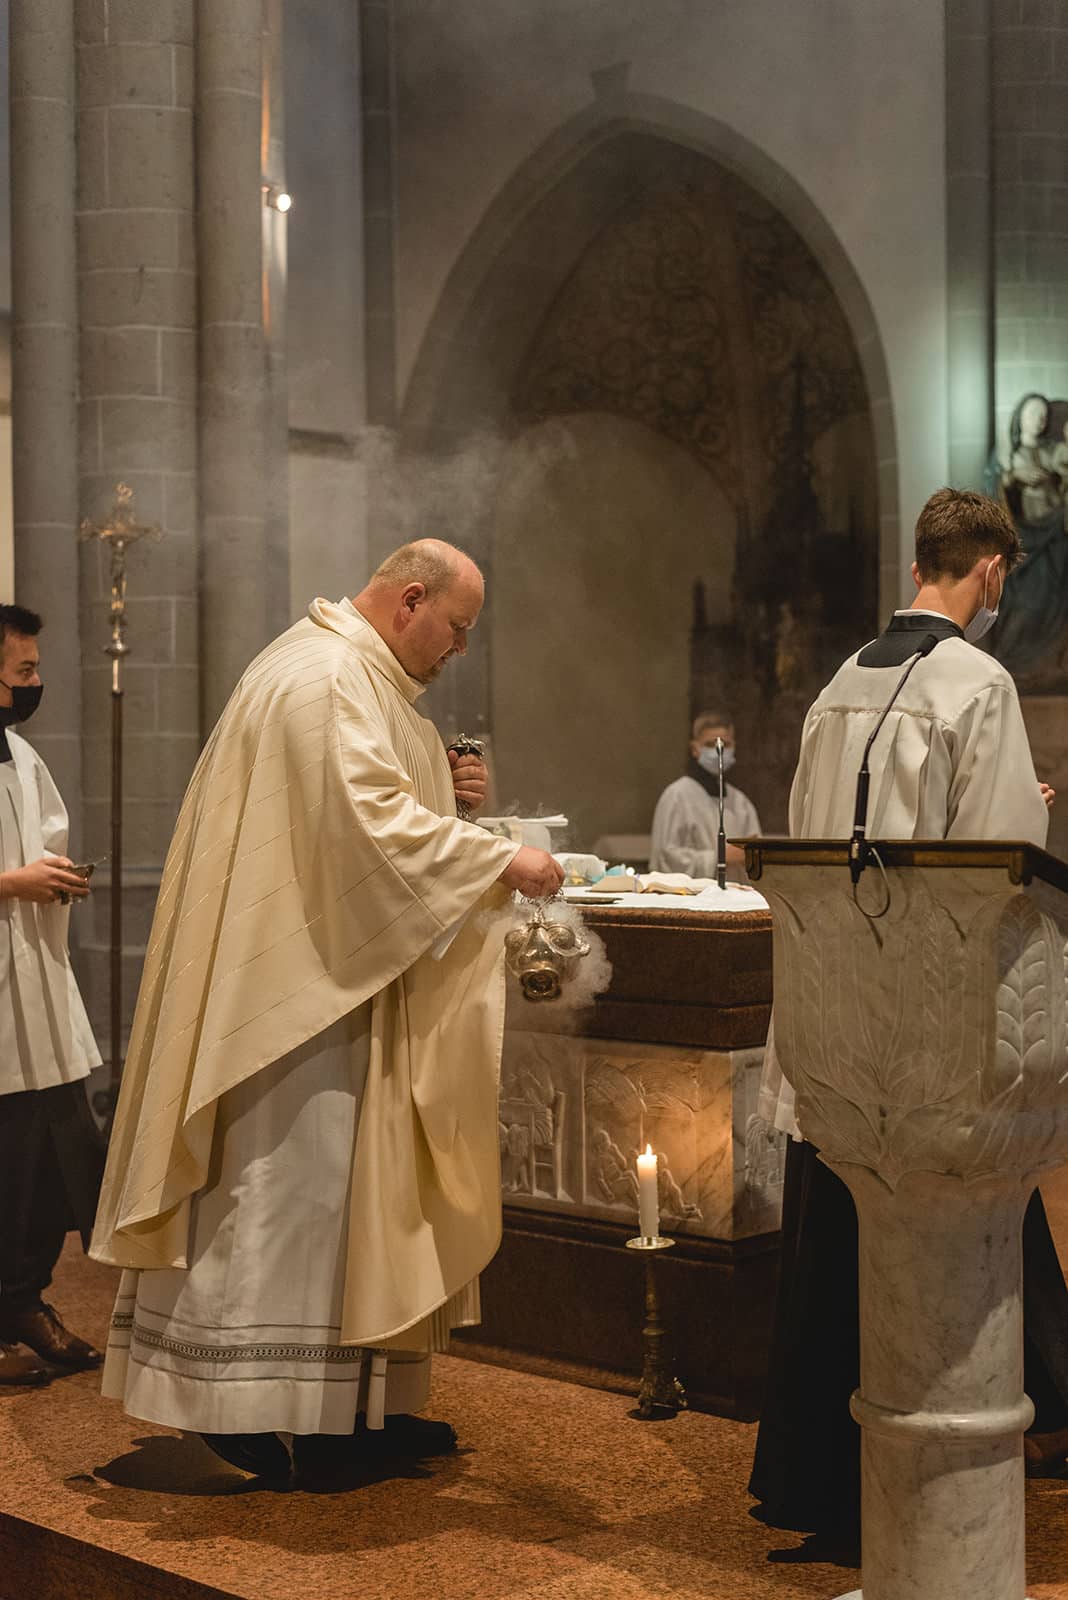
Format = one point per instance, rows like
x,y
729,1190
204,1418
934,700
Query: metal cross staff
x,y
118,532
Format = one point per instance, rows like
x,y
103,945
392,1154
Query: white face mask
x,y
709,760
984,618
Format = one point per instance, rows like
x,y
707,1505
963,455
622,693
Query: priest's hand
x,y
469,780
534,873
43,881
1048,795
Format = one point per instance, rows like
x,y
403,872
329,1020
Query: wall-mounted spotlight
x,y
279,199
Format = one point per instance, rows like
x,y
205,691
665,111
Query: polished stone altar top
x,y
679,976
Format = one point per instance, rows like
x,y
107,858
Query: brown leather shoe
x,y
39,1327
24,1371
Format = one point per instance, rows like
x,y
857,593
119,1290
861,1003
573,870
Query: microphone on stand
x,y
721,837
859,848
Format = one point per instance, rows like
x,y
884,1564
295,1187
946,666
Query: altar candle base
x,y
660,1394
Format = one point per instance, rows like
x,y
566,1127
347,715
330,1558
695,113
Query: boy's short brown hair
x,y
956,527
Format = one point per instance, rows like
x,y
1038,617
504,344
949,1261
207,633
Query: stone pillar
x,y
941,1403
969,246
377,96
378,150
275,277
1030,98
44,369
233,355
137,302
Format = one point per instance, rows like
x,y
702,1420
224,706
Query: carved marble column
x,y
928,1049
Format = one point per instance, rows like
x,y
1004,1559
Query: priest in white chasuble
x,y
303,1177
951,761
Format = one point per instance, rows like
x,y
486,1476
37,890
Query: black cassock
x,y
806,1471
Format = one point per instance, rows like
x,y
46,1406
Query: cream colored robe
x,y
951,761
316,861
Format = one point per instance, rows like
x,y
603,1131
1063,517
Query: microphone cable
x,y
859,848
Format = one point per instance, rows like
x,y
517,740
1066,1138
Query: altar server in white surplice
x,y
50,1151
686,819
952,760
303,1178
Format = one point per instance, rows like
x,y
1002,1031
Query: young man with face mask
x,y
951,761
50,1154
686,820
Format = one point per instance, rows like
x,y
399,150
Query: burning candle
x,y
648,1195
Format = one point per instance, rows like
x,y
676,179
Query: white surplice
x,y
686,823
247,1339
45,1037
952,761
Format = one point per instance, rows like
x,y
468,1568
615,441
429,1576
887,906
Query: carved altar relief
x,y
575,1112
533,1122
630,1102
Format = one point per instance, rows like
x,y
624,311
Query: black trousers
x,y
51,1163
806,1469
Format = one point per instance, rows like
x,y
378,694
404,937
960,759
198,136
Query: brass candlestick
x,y
660,1394
119,531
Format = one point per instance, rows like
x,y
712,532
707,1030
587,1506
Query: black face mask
x,y
25,698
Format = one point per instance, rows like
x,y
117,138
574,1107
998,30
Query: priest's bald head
x,y
423,601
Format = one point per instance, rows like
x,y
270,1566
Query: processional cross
x,y
119,530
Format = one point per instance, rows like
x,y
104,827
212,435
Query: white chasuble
x,y
951,761
45,1037
316,862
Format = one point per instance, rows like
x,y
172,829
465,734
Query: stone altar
x,y
670,1054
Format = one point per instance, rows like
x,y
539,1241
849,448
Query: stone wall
x,y
846,102
143,277
325,303
1030,217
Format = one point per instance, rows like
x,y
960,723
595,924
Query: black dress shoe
x,y
39,1327
405,1435
344,1459
262,1454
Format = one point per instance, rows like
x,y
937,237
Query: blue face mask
x,y
708,759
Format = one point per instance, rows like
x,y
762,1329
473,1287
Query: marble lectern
x,y
929,1050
